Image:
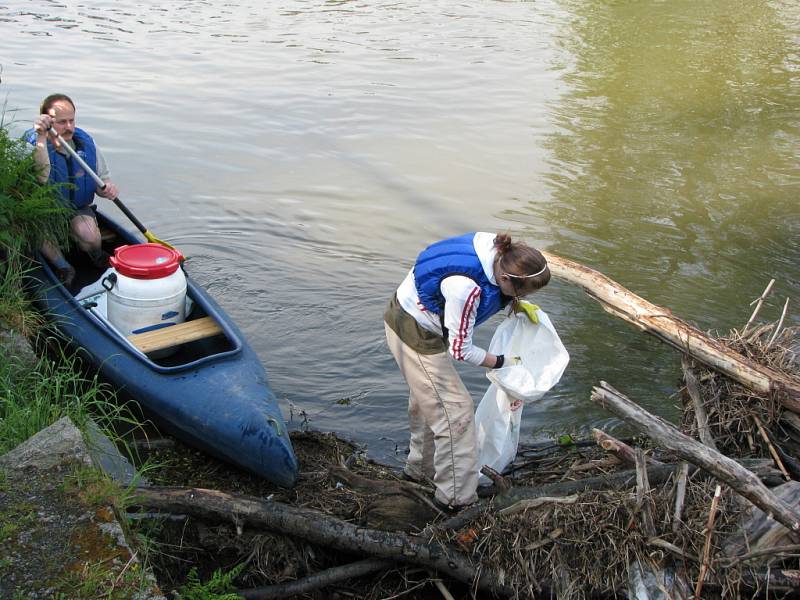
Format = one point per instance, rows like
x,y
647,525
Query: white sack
x,y
542,356
535,359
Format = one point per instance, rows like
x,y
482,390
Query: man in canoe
x,y
57,166
455,284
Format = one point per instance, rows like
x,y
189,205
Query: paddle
x,y
102,184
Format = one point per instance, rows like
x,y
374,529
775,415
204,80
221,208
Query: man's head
x,y
62,109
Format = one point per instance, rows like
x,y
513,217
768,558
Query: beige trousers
x,y
441,416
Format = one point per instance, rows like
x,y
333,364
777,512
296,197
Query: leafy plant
x,y
30,212
219,587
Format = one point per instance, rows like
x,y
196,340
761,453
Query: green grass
x,y
30,213
33,397
35,393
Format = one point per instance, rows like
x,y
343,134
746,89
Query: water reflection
x,y
301,153
670,165
671,171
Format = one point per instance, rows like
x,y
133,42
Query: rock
x,y
60,443
16,345
53,532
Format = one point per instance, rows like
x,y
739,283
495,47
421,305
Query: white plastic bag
x,y
535,359
497,428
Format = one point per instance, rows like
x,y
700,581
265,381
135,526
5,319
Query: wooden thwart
x,y
174,335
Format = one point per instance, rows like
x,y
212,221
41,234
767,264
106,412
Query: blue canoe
x,y
211,393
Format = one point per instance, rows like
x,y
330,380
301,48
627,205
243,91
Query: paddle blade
x,y
151,238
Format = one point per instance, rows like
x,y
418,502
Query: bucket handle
x,y
109,281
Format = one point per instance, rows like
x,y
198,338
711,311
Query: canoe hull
x,y
219,401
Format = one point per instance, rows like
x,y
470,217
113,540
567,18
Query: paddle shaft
x,y
100,183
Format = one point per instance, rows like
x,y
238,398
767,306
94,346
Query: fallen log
x,y
758,532
321,529
723,468
657,474
317,580
661,323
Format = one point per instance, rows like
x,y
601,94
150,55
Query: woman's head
x,y
519,270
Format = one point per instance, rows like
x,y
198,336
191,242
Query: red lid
x,y
146,261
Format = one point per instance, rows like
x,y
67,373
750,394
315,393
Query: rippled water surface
x,y
301,153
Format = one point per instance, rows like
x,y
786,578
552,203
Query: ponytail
x,y
520,260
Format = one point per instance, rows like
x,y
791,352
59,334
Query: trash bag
x,y
535,359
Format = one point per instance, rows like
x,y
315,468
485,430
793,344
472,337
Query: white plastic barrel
x,y
147,289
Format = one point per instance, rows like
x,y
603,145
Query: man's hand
x,y
528,308
110,190
42,124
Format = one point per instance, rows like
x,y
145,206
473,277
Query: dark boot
x,y
99,258
66,275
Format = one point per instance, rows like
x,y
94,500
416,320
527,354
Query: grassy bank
x,y
34,393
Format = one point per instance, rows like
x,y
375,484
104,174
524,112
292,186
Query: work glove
x,y
528,308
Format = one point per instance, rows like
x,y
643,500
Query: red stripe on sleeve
x,y
469,306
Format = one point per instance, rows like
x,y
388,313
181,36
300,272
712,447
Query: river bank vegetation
x,y
702,508
37,390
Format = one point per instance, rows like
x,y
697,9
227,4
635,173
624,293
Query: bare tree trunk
x,y
319,528
661,323
317,580
725,469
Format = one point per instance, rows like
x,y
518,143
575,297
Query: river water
x,y
301,153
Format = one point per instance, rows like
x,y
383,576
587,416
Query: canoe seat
x,y
174,335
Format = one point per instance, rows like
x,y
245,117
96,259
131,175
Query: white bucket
x,y
147,289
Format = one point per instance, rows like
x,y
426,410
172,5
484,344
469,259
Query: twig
x,y
125,568
712,514
500,482
552,536
408,591
772,450
531,503
659,543
643,494
760,301
440,586
779,325
771,550
700,416
622,451
680,496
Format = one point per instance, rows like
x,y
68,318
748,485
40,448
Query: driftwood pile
x,y
707,509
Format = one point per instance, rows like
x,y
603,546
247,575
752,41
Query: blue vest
x,y
66,170
455,256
